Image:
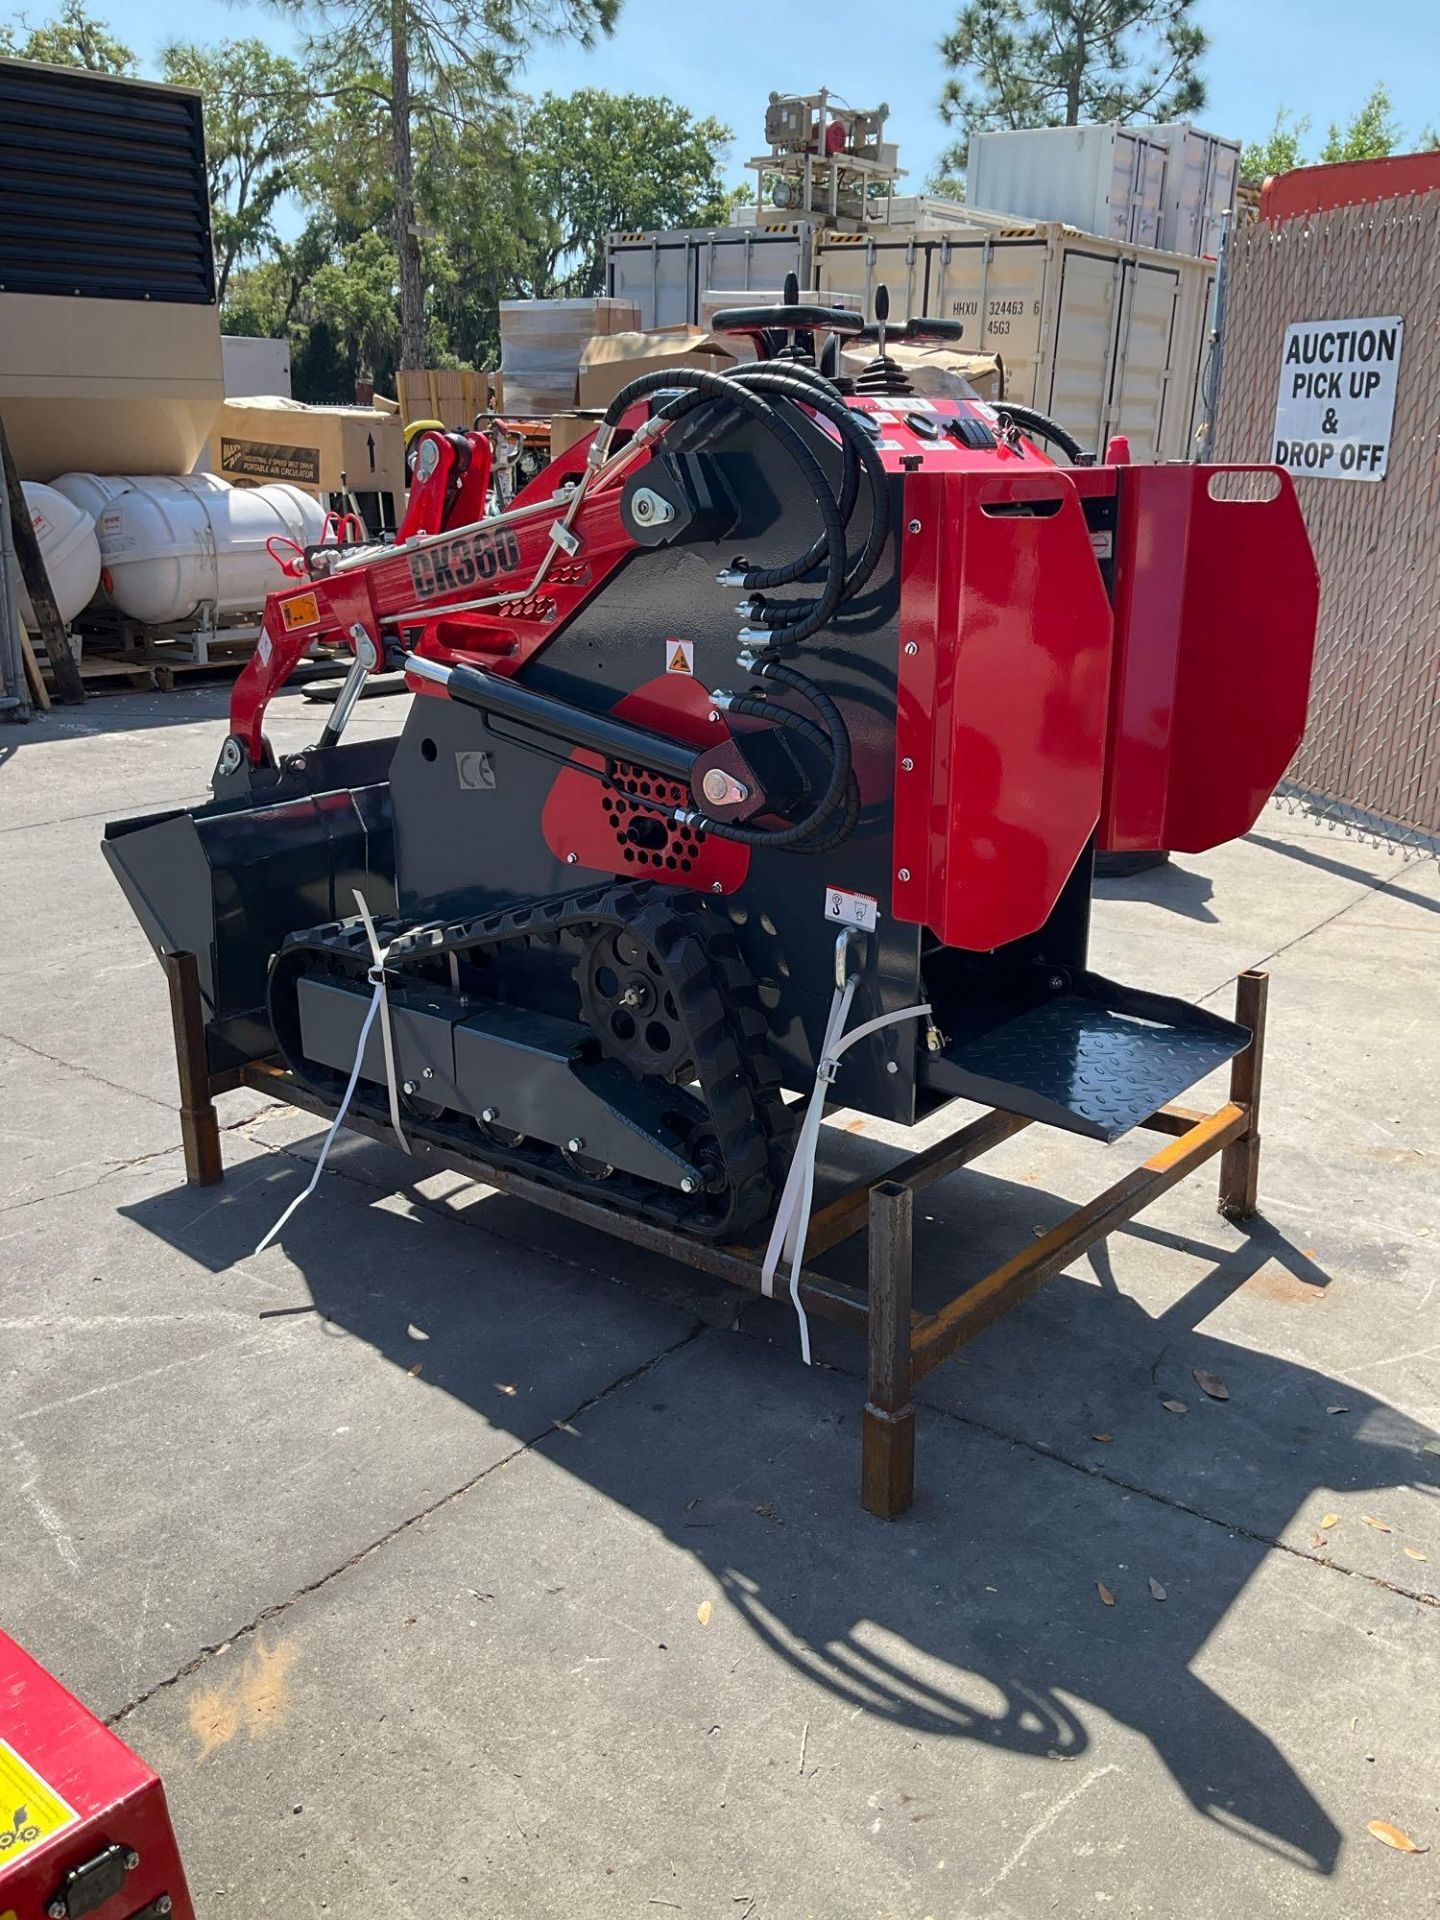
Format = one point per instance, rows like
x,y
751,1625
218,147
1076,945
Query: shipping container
x,y
1202,178
1106,180
254,365
666,273
1105,338
912,210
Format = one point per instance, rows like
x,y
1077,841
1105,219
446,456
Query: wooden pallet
x,y
111,672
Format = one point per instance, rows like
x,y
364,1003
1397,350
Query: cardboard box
x,y
612,361
935,372
264,439
571,426
451,395
541,342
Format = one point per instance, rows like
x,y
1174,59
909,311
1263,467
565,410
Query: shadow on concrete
x,y
1308,857
976,1617
1176,889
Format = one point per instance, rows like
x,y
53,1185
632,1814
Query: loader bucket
x,y
228,881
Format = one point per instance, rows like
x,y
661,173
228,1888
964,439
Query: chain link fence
x,y
1370,760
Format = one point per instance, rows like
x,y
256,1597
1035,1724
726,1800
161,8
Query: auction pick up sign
x,y
1337,398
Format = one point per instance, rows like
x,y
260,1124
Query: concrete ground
x,y
448,1559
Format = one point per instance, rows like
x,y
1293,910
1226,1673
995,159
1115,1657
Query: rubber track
x,y
719,1008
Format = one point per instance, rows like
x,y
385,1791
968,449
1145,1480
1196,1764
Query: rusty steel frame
x,y
903,1344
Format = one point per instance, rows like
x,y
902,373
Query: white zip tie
x,y
377,977
378,1001
792,1216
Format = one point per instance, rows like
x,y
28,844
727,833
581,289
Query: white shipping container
x,y
1107,180
912,210
665,274
254,366
1105,338
1201,180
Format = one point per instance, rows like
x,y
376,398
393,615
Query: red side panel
x,y
1003,679
70,1789
1216,601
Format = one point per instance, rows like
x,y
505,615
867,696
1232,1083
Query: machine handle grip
x,y
919,329
784,319
924,328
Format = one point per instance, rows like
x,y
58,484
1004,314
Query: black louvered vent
x,y
102,188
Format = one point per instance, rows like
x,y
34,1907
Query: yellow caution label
x,y
30,1809
680,656
303,610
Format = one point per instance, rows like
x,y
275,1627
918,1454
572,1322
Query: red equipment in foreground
x,y
84,1828
763,745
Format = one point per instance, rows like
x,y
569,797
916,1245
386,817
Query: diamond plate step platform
x,y
1096,1058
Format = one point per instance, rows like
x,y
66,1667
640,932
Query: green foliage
x,y
946,180
74,38
1371,135
1279,151
1049,63
598,162
354,297
258,113
448,65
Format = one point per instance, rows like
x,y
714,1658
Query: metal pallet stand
x,y
903,1345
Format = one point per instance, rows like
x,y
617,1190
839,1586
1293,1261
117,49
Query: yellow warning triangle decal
x,y
678,661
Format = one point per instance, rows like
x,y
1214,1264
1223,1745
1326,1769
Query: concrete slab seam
x,y
1234,1527
1365,893
402,1527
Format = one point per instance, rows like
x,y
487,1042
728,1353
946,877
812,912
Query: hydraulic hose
x,y
760,377
857,446
766,371
791,722
1030,421
717,387
761,393
803,831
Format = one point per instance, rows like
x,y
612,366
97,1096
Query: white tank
x,y
95,491
69,549
173,549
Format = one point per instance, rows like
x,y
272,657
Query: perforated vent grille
x,y
102,188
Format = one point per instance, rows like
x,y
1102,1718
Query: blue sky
x,y
1315,56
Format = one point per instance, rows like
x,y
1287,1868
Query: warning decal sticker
x,y
680,656
302,611
30,1811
